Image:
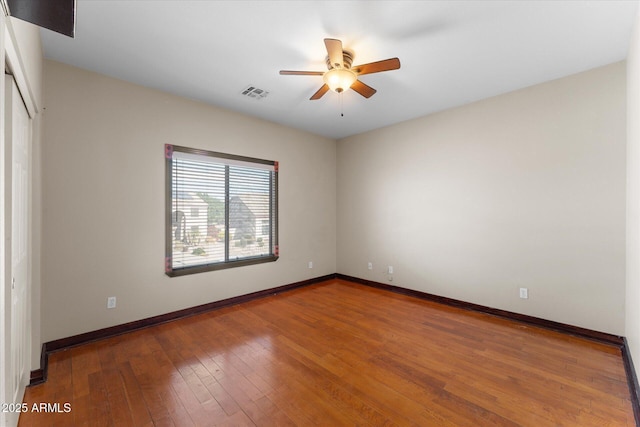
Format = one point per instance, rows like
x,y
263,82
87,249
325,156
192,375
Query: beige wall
x,y
632,331
525,189
103,200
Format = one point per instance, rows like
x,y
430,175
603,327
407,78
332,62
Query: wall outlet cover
x,y
111,302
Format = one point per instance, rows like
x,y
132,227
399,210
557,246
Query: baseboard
x,y
632,380
39,376
522,318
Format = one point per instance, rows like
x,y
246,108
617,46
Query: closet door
x,y
17,250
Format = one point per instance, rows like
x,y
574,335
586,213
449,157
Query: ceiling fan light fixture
x,y
339,79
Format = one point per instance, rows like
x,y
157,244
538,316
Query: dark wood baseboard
x,y
632,380
523,318
39,376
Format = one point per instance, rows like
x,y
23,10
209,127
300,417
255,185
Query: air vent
x,y
255,93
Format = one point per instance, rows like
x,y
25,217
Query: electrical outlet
x,y
370,266
390,270
524,293
111,302
310,264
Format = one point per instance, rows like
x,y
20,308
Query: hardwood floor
x,y
337,353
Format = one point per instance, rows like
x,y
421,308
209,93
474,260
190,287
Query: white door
x,y
17,195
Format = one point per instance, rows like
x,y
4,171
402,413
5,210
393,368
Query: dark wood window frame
x,y
228,161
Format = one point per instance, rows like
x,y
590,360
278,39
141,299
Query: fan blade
x,y
300,73
363,89
319,93
334,49
376,67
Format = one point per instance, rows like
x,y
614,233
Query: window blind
x,y
221,210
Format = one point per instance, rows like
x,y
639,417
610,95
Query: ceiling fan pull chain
x,y
341,104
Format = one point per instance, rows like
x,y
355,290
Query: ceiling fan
x,y
341,75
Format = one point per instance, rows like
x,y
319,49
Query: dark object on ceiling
x,y
55,15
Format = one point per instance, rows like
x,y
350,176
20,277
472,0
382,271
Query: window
x,y
240,198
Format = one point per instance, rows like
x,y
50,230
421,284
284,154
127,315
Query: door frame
x,y
4,385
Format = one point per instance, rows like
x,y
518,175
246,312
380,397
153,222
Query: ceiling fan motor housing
x,y
347,59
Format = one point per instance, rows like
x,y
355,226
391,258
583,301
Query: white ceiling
x,y
452,52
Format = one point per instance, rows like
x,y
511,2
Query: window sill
x,y
220,266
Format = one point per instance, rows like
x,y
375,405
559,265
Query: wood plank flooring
x,y
333,354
